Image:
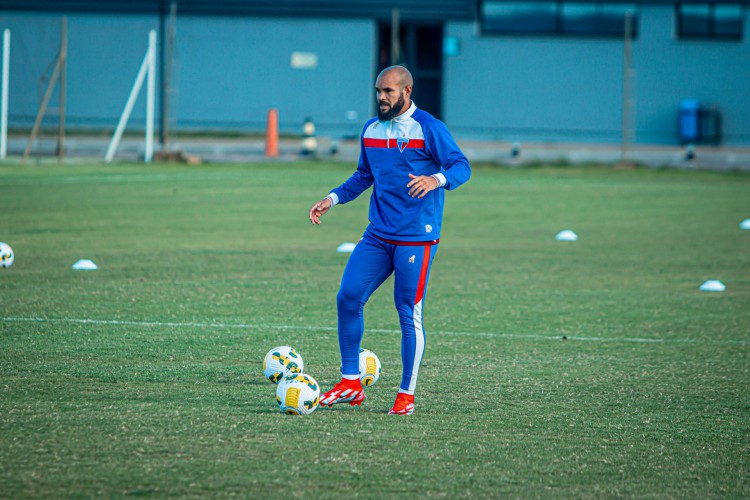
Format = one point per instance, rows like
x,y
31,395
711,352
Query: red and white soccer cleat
x,y
404,404
346,391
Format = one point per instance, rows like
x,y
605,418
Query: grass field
x,y
144,378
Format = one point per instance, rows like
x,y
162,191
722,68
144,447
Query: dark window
x,y
557,18
596,18
710,21
502,17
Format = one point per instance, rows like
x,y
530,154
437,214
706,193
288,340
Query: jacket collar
x,y
406,115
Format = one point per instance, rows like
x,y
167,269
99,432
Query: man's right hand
x,y
319,209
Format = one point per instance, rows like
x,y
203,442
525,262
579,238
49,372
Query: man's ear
x,y
407,90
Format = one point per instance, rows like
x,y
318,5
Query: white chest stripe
x,y
408,127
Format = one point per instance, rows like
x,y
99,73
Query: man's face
x,y
390,96
388,111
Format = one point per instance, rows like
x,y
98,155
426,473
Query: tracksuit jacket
x,y
414,142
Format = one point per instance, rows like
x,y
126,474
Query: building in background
x,y
512,71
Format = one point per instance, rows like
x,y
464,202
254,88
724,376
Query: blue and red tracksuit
x,y
403,233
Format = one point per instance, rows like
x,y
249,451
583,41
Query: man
x,y
409,158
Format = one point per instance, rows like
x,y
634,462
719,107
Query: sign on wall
x,y
304,60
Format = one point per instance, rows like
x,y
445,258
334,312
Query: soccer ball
x,y
6,255
369,367
280,362
298,394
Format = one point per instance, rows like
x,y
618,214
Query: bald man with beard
x,y
410,160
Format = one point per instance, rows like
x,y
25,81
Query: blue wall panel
x,y
104,55
521,88
233,70
230,70
669,70
227,74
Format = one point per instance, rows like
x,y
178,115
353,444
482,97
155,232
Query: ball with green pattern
x,y
6,255
298,394
282,361
369,367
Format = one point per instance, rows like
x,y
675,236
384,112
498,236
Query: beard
x,y
393,111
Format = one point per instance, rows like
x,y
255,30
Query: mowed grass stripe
x,y
264,327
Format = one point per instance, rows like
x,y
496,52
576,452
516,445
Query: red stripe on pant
x,y
423,275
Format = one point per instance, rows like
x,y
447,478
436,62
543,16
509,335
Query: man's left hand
x,y
420,185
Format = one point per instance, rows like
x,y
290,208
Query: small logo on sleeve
x,y
428,228
402,142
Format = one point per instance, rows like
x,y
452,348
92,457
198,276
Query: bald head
x,y
400,74
393,90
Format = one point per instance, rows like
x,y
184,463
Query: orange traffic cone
x,y
272,133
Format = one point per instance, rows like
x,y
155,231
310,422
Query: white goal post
x,y
4,110
148,68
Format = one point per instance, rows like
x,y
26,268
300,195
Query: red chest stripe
x,y
392,143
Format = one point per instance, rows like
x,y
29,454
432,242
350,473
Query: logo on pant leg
x,y
412,259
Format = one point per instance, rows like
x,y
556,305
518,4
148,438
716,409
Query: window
x,y
595,18
510,17
710,21
557,18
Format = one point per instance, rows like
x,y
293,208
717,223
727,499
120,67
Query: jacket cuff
x,y
334,199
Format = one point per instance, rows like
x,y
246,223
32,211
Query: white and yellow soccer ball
x,y
369,367
298,394
282,361
6,255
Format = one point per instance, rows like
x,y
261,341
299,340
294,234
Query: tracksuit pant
x,y
371,263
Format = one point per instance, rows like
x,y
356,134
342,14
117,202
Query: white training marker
x,y
712,286
566,235
346,247
745,224
85,265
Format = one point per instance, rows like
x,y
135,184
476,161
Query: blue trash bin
x,y
689,120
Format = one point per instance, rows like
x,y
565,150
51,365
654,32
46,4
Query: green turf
x,y
207,268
